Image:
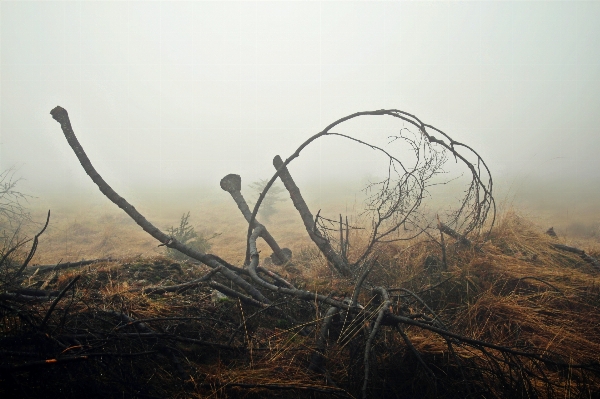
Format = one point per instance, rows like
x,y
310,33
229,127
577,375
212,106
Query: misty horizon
x,y
169,97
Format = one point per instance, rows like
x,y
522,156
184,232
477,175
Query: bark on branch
x,y
307,217
233,184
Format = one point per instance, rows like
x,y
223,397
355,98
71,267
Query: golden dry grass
x,y
519,292
98,231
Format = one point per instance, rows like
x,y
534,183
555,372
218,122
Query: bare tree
x,y
12,210
394,203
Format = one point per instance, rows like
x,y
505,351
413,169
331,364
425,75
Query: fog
x,y
168,97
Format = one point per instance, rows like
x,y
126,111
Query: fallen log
x,y
589,259
61,266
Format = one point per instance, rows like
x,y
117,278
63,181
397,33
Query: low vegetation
x,y
106,337
187,234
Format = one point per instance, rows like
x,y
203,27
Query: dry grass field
x,y
111,337
101,231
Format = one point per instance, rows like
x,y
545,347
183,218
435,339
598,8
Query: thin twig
x,y
318,356
33,248
58,298
382,311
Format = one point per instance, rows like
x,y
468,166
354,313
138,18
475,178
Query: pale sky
x,y
163,93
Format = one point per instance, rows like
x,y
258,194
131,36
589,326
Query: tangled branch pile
x,y
423,308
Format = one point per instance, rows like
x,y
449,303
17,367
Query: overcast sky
x,y
182,93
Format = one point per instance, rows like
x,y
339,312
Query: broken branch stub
x,y
232,183
324,245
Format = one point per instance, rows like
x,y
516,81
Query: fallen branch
x,y
454,234
234,294
415,352
483,344
68,265
233,185
179,288
58,298
301,294
295,387
180,318
18,297
589,259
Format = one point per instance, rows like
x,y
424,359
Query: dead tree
x,y
395,204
